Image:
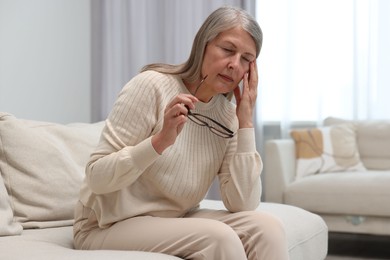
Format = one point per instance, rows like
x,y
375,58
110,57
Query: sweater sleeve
x,y
240,182
125,149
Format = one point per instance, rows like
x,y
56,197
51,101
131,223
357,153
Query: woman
x,y
170,133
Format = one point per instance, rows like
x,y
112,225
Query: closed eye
x,y
227,50
246,59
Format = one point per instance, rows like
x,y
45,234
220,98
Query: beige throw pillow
x,y
326,149
42,165
373,141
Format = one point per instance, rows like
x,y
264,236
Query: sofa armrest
x,y
279,168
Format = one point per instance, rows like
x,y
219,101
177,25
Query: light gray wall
x,y
45,58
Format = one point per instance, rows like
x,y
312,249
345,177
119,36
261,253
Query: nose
x,y
234,62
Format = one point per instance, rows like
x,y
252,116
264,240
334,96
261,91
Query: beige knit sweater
x,y
126,177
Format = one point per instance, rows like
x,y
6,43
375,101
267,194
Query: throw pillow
x,y
373,141
326,149
42,165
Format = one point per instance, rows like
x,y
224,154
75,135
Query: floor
x,y
342,246
348,258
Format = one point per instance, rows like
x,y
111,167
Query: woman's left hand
x,y
247,99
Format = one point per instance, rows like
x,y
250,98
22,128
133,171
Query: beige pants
x,y
203,234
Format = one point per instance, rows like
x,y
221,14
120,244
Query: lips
x,y
226,78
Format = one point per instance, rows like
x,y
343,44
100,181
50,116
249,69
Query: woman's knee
x,y
263,236
222,234
269,227
223,242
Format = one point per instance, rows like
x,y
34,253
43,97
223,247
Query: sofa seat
x,y
306,233
345,193
57,244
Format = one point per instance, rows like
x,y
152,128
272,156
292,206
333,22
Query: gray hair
x,y
222,19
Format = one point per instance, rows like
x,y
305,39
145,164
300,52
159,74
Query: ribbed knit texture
x,y
126,177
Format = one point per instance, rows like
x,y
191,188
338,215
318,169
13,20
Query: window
x,y
324,58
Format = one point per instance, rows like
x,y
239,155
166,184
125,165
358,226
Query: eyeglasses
x,y
214,126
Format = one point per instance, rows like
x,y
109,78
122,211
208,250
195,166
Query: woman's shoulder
x,y
152,86
153,76
153,79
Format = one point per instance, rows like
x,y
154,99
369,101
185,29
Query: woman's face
x,y
226,60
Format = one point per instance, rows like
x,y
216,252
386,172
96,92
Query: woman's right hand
x,y
175,116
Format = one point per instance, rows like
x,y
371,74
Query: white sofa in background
x,y
351,199
42,167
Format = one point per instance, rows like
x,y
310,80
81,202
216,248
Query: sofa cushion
x,y
326,149
42,165
342,193
57,244
7,224
373,139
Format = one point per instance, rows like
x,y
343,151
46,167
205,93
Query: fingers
x,y
251,79
184,100
178,106
237,95
253,72
247,97
175,116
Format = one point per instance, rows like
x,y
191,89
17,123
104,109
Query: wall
x,y
45,59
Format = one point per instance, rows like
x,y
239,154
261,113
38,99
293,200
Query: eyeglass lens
x,y
214,126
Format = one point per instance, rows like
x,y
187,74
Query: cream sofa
x,y
350,200
42,167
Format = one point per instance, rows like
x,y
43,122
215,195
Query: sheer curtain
x,y
128,34
323,58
